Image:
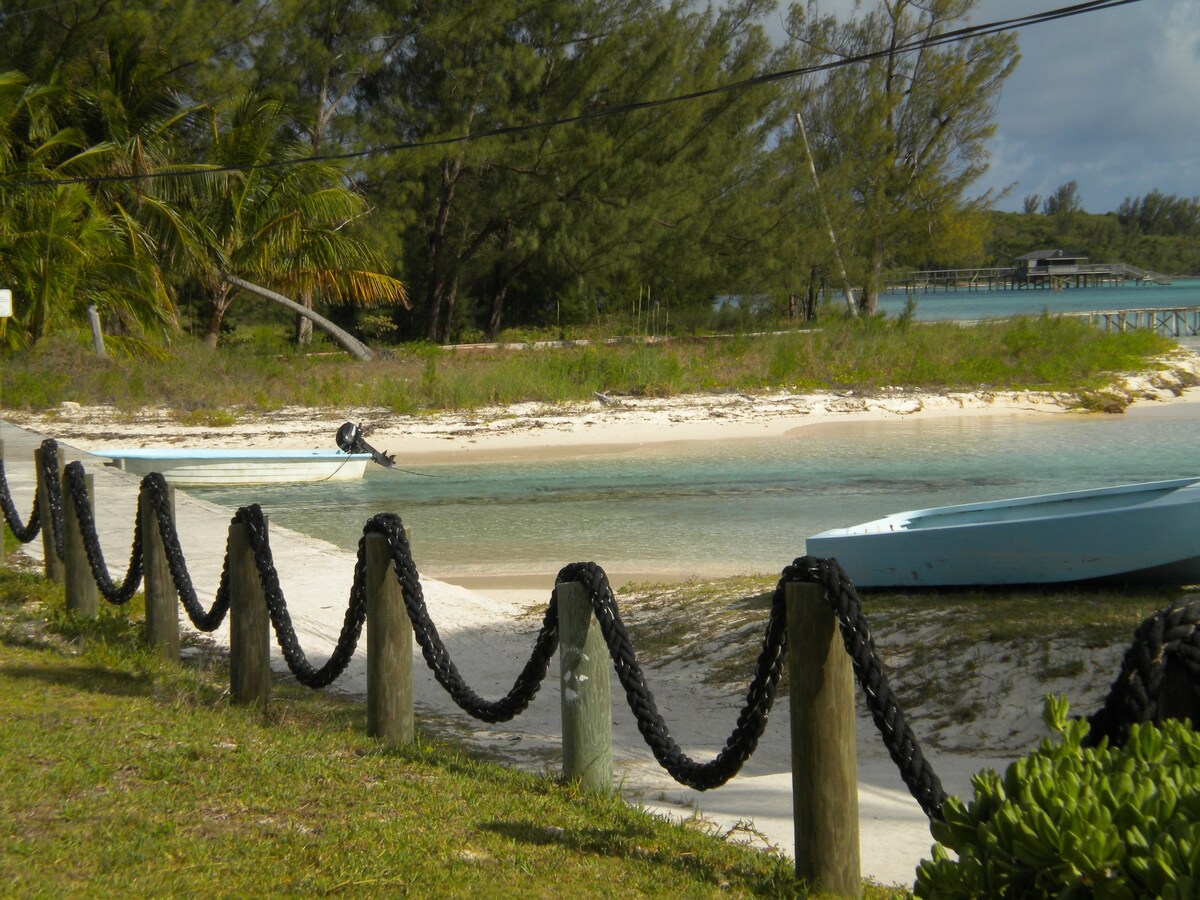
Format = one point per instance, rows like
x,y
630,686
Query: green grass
x,y
122,774
1056,354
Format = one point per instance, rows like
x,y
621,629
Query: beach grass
x,y
125,775
1042,353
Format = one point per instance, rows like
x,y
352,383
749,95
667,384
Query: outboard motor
x,y
350,439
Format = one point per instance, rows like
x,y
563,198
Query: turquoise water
x,y
943,305
729,507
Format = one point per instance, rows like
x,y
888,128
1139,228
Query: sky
x,y
1108,99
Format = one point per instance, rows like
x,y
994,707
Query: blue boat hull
x,y
1141,532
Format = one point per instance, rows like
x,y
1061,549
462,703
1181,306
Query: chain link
x,y
285,635
905,751
54,495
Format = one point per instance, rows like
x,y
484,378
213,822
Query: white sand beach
x,y
487,626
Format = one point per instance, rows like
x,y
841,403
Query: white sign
x,y
5,303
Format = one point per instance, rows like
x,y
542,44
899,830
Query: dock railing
x,y
1177,321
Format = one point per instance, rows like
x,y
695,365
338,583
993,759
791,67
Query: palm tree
x,y
274,222
62,249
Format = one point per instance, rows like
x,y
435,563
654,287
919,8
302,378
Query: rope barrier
x,y
1170,635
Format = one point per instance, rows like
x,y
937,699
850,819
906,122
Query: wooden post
x,y
389,650
162,598
824,766
586,692
77,571
249,625
53,565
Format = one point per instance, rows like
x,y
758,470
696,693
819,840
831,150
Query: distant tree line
x,y
1164,214
155,155
1156,232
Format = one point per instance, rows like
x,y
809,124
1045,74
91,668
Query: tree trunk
x,y
304,325
500,292
448,303
216,316
869,300
435,288
435,252
498,295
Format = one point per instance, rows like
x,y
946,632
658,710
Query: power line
x,y
949,37
35,9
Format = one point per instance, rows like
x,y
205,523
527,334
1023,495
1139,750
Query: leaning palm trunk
x,y
344,338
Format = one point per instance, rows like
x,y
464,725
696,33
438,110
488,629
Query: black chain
x,y
751,722
23,533
154,488
285,634
112,592
54,494
923,784
1170,633
50,477
438,658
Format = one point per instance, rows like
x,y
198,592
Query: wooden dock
x,y
1177,322
1008,278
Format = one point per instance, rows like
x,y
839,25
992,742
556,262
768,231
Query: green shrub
x,y
209,418
1077,822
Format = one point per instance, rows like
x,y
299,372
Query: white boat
x,y
185,467
1146,532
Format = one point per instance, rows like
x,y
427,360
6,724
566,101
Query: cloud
x,y
1107,99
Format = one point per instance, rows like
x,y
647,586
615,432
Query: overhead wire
x,y
949,37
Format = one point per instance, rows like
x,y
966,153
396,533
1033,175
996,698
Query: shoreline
x,y
605,425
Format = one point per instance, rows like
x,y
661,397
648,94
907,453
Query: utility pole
x,y
812,168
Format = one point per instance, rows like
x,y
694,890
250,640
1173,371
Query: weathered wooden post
x,y
249,624
162,598
78,580
389,649
824,764
52,564
586,692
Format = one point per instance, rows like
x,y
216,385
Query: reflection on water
x,y
729,506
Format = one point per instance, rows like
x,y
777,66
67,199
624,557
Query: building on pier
x,y
1052,269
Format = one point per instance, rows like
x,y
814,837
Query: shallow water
x,y
983,304
728,507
